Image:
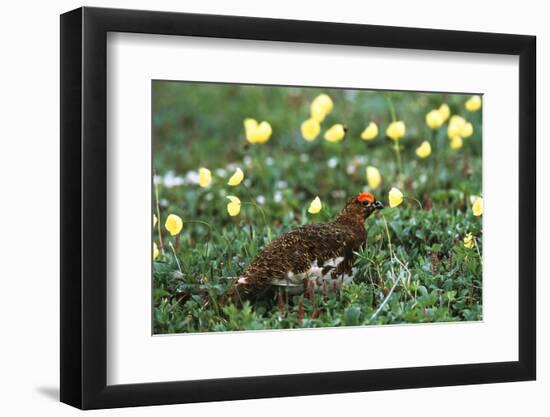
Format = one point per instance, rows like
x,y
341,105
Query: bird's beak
x,y
378,205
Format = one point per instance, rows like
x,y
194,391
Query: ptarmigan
x,y
314,251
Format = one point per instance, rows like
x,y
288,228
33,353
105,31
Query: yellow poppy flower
x,y
236,178
456,126
467,130
469,241
373,177
477,207
395,197
473,103
434,119
444,111
154,220
424,150
459,128
456,142
205,177
234,205
396,130
257,132
320,107
336,133
264,132
317,113
324,101
370,132
249,125
155,251
315,206
310,129
173,224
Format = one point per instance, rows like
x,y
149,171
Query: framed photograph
x,y
257,208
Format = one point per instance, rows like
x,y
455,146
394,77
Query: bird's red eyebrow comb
x,y
365,197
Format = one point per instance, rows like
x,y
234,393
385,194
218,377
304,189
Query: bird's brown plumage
x,y
294,253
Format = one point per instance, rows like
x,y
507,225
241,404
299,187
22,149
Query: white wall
x,y
29,172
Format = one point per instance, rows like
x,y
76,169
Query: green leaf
x,y
351,315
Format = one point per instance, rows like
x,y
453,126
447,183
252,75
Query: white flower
x,y
192,177
281,184
170,180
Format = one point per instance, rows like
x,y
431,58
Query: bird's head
x,y
359,207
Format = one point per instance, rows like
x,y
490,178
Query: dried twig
x,y
395,280
300,310
312,293
281,303
316,313
435,263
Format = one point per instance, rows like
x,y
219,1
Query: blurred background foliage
x,y
201,125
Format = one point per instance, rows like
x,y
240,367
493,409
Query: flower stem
x,y
398,157
252,203
414,199
437,156
478,252
211,229
161,243
390,105
396,142
175,256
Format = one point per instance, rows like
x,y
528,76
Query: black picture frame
x,y
84,207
